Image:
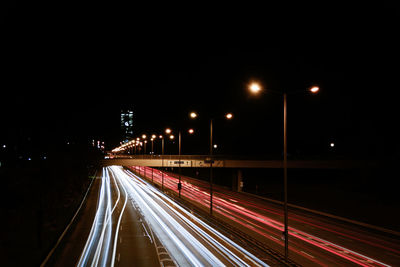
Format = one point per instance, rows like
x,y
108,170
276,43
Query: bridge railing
x,y
166,157
192,157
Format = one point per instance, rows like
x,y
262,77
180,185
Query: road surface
x,y
313,240
129,222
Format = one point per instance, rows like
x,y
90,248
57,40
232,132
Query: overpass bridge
x,y
204,161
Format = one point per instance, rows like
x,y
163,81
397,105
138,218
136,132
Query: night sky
x,y
67,71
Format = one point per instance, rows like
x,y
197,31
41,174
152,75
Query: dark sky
x,y
67,70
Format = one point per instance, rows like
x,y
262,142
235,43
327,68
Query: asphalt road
x,y
109,231
126,221
313,240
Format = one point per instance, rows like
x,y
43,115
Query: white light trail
x,y
188,240
97,247
198,242
117,228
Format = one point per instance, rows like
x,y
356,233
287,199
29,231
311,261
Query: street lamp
x,y
152,143
255,88
162,161
193,115
227,116
169,131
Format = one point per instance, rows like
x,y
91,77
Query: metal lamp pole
x,y
162,163
285,208
179,162
211,162
228,116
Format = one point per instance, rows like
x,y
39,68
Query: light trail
x,y
187,238
117,227
253,220
94,231
97,248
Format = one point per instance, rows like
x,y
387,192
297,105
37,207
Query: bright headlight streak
x,y
107,225
99,240
118,224
227,240
133,191
93,231
106,250
206,237
143,199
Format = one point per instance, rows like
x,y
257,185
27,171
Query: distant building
x,y
126,125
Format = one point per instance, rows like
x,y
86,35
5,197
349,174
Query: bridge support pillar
x,y
237,181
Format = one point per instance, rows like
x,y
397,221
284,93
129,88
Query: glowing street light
x,y
191,131
254,88
171,137
314,89
152,143
144,136
193,115
168,131
229,116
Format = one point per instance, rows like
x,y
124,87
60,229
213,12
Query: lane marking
x,y
119,220
307,254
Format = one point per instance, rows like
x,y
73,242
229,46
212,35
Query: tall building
x,y
126,125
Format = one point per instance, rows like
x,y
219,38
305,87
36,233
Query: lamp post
x,y
255,88
211,162
228,116
169,131
152,143
179,164
162,162
285,208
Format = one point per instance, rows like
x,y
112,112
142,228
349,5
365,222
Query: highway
x,y
313,241
135,224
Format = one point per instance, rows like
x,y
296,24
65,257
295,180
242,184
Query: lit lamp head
x,y
314,89
254,88
168,131
229,116
144,136
193,115
191,131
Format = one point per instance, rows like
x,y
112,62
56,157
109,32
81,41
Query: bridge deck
x,y
201,161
